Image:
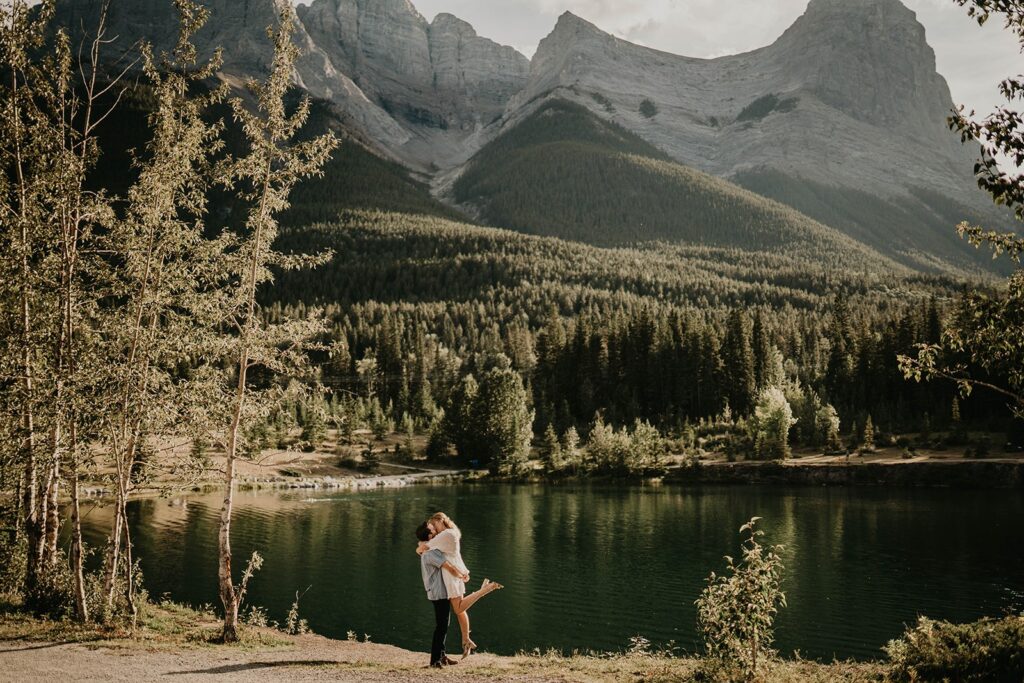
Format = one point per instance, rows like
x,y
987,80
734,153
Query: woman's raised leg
x,y
460,605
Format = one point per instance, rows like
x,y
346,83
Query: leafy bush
x,y
611,451
736,612
990,650
294,624
13,561
648,109
53,594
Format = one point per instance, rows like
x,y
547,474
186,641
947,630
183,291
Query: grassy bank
x,y
171,639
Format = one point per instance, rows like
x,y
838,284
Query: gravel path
x,y
309,658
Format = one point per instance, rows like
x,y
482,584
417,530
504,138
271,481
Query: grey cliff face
x,y
870,60
440,75
240,30
395,75
478,71
238,27
847,96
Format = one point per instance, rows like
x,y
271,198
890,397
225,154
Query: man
x,y
432,563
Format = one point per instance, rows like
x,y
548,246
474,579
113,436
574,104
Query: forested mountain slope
x,y
846,106
566,172
387,256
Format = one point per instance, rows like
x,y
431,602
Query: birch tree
x,y
166,266
263,178
53,111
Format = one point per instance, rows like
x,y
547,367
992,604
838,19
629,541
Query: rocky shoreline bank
x,y
324,483
936,474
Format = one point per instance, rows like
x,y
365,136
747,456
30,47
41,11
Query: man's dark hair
x,y
423,532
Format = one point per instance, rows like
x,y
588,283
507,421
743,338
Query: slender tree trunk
x,y
29,503
124,459
51,512
77,550
113,555
130,569
227,586
18,510
228,595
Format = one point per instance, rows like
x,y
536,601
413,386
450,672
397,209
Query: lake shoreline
x,y
902,474
961,474
305,483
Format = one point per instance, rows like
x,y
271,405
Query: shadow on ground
x,y
255,666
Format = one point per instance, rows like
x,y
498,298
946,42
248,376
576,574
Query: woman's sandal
x,y
491,586
468,647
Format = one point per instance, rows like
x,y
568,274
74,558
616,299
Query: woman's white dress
x,y
449,542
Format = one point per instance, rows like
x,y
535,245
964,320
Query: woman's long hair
x,y
445,521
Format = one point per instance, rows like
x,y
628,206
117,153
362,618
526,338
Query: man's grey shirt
x,y
433,580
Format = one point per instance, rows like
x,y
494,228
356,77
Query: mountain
x,y
842,117
419,90
440,74
565,172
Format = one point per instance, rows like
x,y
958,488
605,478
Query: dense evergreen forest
x,y
672,335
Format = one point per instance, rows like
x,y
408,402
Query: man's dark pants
x,y
442,614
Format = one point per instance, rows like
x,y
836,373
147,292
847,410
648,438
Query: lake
x,y
588,566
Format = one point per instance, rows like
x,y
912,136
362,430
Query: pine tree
x,y
762,349
550,450
503,420
868,439
738,362
314,430
571,448
459,426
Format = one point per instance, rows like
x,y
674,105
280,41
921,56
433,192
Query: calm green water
x,y
586,567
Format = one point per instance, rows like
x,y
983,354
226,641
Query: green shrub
x,y
736,612
13,564
53,594
990,650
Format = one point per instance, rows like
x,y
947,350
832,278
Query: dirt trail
x,y
307,658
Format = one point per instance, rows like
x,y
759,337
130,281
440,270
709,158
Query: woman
x,y
448,539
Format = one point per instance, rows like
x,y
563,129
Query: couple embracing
x,y
445,577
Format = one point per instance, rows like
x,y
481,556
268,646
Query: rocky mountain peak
x,y
869,59
563,50
450,22
570,28
438,75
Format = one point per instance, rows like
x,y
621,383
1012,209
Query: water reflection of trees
x,y
590,565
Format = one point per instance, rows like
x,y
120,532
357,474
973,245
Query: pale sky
x,y
973,59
